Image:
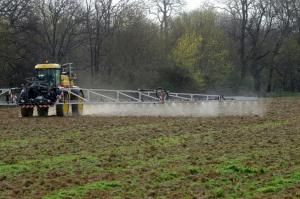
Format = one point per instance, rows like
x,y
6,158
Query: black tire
x,y
59,110
27,112
77,109
60,107
42,111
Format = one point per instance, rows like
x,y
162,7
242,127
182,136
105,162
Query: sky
x,y
194,4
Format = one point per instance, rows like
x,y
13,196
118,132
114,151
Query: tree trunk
x,y
257,83
270,80
243,39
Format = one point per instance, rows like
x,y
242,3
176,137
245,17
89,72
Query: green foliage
x,y
12,54
239,85
7,51
185,54
197,77
200,50
287,63
284,94
202,47
134,63
186,50
176,78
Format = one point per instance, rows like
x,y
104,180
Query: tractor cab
x,y
55,75
49,73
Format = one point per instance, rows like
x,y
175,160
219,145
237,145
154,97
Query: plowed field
x,y
152,157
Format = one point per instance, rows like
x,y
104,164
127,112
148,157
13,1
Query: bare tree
x,y
14,20
254,20
61,26
163,10
240,11
14,10
296,15
284,16
100,24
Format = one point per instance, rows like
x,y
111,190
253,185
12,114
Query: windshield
x,y
51,76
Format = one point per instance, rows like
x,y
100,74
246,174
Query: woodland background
x,y
245,46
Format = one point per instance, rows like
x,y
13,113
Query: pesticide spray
x,y
161,103
176,109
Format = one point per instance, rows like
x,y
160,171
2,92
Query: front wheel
x,y
42,111
26,112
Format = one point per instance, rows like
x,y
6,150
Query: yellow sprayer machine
x,y
52,85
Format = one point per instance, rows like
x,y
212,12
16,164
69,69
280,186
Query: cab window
x,y
51,76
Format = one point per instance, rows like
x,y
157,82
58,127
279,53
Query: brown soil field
x,y
152,157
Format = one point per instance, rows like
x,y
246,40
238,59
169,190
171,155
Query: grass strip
x,y
81,191
44,165
280,183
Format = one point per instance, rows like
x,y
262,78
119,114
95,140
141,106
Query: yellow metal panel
x,y
66,82
46,66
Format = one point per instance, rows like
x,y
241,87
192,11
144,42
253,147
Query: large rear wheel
x,y
26,112
77,109
63,109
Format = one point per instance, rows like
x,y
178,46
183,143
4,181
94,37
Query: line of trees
x,y
247,45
